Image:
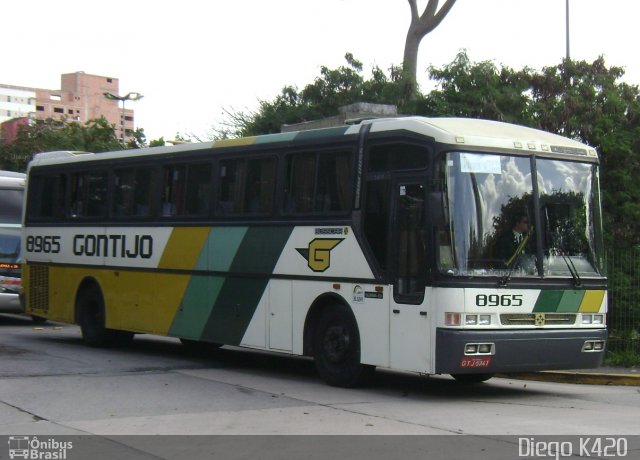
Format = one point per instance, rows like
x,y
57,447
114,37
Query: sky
x,y
194,59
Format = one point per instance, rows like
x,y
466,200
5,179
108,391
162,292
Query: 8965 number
x,y
499,300
46,244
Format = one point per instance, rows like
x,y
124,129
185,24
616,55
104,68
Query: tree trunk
x,y
420,26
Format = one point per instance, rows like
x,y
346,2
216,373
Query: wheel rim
x,y
336,342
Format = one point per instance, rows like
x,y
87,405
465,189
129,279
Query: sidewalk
x,y
599,376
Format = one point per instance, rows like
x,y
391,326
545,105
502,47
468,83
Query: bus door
x,y
409,318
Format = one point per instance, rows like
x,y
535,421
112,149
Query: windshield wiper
x,y
577,282
515,258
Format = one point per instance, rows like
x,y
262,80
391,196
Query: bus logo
x,y
540,319
18,447
318,253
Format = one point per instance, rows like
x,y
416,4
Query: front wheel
x,y
91,315
471,378
336,349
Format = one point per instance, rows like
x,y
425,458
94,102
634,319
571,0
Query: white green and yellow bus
x,y
377,244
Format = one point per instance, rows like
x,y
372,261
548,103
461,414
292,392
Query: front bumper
x,y
10,303
517,350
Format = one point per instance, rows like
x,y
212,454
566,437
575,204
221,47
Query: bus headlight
x,y
597,319
485,320
470,320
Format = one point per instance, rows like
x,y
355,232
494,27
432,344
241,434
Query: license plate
x,y
477,362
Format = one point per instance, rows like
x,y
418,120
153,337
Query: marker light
x,y
452,319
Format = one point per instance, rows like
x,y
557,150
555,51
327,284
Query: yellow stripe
x,y
184,247
591,302
235,142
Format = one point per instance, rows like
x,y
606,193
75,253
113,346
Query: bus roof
x,y
11,179
465,132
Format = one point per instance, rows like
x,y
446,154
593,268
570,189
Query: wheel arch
x,y
313,314
86,284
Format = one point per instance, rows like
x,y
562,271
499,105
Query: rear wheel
x,y
336,349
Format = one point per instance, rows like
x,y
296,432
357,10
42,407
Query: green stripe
x,y
320,133
239,297
548,301
559,301
571,301
203,291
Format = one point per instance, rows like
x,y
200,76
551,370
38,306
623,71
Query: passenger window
x,y
88,194
186,189
246,186
318,183
47,196
132,192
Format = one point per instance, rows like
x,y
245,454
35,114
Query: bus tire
x,y
91,316
336,349
471,378
198,347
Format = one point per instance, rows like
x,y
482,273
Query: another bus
x,y
11,197
363,246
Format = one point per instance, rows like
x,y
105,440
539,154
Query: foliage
x,y
479,90
322,98
49,135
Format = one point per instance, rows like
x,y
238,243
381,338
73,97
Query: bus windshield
x,y
517,216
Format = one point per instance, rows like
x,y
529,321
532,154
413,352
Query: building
x,y
80,98
16,102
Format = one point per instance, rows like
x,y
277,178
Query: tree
x,y
479,90
332,89
420,26
48,135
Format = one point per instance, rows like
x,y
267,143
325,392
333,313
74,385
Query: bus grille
x,y
529,319
38,288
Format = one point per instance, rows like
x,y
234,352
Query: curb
x,y
585,378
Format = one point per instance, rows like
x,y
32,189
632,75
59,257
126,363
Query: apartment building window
x,y
58,110
40,108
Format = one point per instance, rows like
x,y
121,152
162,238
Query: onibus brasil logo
x,y
30,447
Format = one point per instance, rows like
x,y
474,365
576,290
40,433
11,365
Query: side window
x,y
334,182
301,174
88,194
376,219
186,189
261,176
47,196
246,186
397,157
173,189
318,183
133,190
198,194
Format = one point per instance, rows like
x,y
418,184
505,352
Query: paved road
x,y
51,384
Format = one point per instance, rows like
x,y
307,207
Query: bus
x,y
11,197
374,244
